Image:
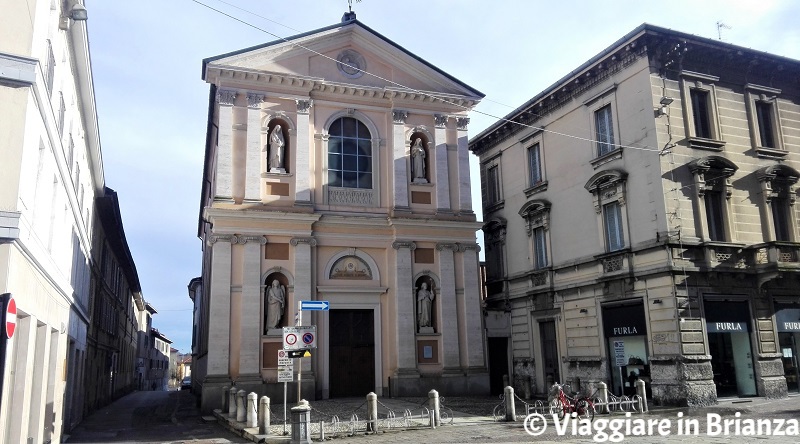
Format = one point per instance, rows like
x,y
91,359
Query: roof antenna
x,y
720,27
350,15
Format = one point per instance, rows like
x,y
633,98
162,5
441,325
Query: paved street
x,y
151,417
171,417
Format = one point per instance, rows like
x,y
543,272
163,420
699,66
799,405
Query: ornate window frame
x,y
755,94
778,181
607,187
492,163
340,196
528,144
605,98
713,173
703,82
536,214
495,239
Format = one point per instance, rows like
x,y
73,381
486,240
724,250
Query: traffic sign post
x,y
8,319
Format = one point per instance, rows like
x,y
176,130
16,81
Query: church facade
x,y
337,169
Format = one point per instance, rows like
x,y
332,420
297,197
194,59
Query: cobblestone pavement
x,y
151,417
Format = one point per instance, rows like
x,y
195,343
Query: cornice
x,y
217,215
229,77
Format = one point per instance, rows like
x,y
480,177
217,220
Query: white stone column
x,y
302,154
472,305
400,160
442,167
239,149
464,194
449,327
251,319
219,310
225,99
252,189
303,289
404,302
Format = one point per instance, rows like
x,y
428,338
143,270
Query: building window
x,y
778,193
49,68
495,239
612,217
763,112
493,185
534,165
62,110
711,177
699,98
539,249
537,222
608,195
714,219
780,218
700,112
349,154
765,124
604,130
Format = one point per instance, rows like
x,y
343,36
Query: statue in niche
x,y
276,150
424,308
276,300
418,161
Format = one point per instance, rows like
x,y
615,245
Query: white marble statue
x,y
418,161
276,300
424,303
276,150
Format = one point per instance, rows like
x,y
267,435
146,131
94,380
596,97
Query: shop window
x,y
728,328
700,110
625,331
787,317
711,176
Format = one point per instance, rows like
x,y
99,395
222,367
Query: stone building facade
x,y
337,170
640,223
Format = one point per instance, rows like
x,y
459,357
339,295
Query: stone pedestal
x,y
301,415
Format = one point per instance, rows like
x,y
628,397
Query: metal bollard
x,y
372,412
301,414
252,410
640,390
263,416
241,413
322,430
232,402
602,391
432,418
508,393
433,405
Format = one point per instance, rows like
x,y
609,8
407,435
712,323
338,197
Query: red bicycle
x,y
564,405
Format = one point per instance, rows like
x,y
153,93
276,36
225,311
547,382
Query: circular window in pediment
x,y
351,64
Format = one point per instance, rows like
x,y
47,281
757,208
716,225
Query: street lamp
x,y
77,12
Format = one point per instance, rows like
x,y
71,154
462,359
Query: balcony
x,y
725,256
775,256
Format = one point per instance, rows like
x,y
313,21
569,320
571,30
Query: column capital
x,y
469,246
254,100
399,116
411,245
245,239
226,97
214,238
440,120
304,106
303,240
447,246
462,122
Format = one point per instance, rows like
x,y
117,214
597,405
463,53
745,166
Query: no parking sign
x,y
299,338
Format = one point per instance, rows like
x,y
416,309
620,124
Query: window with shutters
x,y
605,133
49,68
62,111
539,249
491,185
714,211
778,192
534,165
536,215
764,119
711,183
609,196
698,93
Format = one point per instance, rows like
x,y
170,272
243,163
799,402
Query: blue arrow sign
x,y
314,305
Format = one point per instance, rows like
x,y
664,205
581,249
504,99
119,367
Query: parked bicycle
x,y
564,405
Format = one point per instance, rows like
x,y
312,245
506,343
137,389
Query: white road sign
x,y
300,338
285,374
619,353
284,360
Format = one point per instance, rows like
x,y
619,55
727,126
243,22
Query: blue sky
x,y
152,104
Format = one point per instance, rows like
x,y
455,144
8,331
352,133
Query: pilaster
x,y
449,315
252,190
303,289
400,160
442,166
302,152
239,149
219,310
251,306
404,303
472,305
464,194
225,99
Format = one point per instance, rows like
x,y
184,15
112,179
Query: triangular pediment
x,y
330,56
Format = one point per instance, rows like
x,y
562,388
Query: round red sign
x,y
11,317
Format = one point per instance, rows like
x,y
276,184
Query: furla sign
x,y
727,327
